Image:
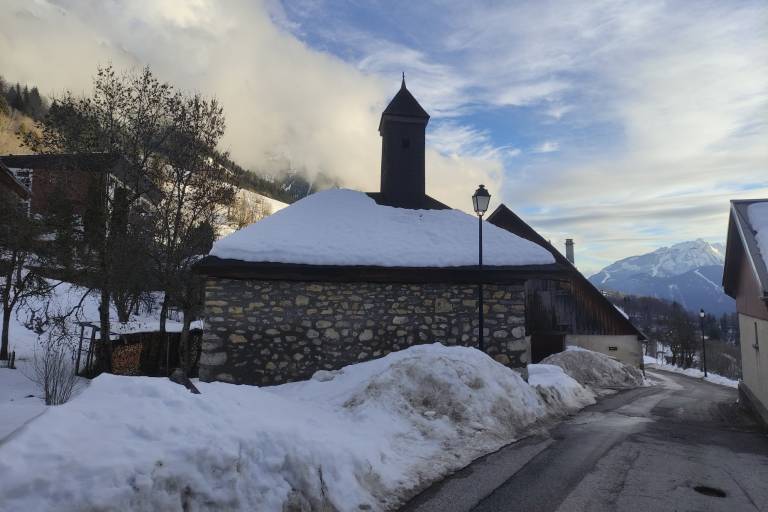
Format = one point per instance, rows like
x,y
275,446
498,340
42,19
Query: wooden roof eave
x,y
749,246
213,266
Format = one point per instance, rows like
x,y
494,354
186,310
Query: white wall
x,y
754,362
629,349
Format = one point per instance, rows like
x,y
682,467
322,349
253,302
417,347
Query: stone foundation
x,y
271,332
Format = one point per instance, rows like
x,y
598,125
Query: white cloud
x,y
661,107
548,146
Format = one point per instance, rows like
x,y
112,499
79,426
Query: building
x,y
569,310
745,278
71,177
342,276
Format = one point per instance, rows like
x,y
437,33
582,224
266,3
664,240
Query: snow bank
x,y
758,218
595,370
344,227
558,390
365,437
691,372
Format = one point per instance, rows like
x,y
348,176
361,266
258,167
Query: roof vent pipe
x,y
569,250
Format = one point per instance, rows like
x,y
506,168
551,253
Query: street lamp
x,y
703,346
480,201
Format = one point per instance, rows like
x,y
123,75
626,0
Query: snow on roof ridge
x,y
347,227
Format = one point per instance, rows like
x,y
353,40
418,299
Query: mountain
x,y
690,273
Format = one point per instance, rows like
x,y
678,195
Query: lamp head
x,y
480,200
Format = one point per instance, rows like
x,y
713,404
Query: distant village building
x,y
342,277
745,278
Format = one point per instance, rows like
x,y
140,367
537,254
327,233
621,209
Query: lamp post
x,y
703,345
480,201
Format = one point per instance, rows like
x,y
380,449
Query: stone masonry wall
x,y
271,332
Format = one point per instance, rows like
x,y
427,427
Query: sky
x,y
625,125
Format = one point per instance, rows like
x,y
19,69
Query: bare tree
x,y
128,120
53,363
247,209
195,191
20,255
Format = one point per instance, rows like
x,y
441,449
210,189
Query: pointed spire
x,y
405,105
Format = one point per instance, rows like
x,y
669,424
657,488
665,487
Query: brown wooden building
x,y
70,177
746,279
569,310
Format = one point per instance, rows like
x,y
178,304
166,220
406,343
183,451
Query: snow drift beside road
x,y
714,378
595,370
557,389
369,434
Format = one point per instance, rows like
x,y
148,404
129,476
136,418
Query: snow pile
x,y
691,372
365,437
558,390
758,218
595,370
344,227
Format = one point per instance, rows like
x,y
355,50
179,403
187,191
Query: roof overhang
x,y
213,266
741,237
8,180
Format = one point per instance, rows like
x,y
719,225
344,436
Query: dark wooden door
x,y
544,344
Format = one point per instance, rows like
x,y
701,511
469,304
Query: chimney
x,y
569,250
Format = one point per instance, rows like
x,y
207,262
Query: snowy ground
x,y
66,297
16,405
651,362
19,400
365,437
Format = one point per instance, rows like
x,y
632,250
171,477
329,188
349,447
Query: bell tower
x,y
402,128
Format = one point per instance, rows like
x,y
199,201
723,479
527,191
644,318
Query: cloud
x,y
652,114
548,146
284,101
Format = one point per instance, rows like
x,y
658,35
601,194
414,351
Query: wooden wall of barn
x,y
570,306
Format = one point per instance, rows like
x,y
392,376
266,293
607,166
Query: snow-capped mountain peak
x,y
688,272
672,261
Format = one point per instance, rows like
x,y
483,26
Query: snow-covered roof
x,y
346,227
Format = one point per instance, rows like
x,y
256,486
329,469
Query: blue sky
x,y
626,125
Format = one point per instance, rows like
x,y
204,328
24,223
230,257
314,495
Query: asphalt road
x,y
645,449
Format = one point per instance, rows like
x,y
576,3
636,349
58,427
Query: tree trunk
x,y
164,312
6,328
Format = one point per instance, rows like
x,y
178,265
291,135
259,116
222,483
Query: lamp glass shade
x,y
480,200
701,313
